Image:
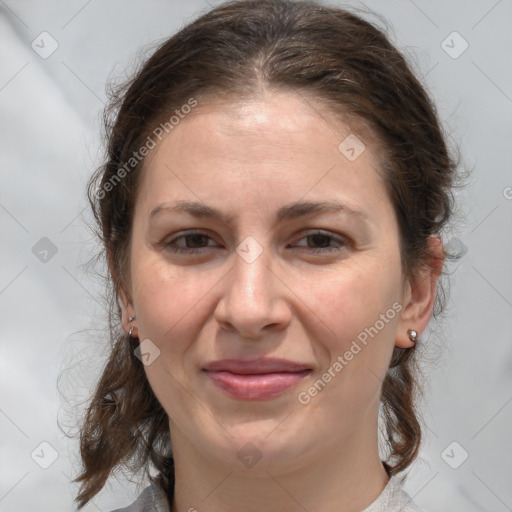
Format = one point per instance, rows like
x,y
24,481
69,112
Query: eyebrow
x,y
288,212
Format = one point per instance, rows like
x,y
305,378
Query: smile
x,y
255,380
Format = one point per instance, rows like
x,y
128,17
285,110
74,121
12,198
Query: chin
x,y
260,447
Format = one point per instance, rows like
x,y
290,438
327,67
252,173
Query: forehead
x,y
280,146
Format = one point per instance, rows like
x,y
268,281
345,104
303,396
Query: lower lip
x,y
256,386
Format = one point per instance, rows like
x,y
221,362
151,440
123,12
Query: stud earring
x,y
413,335
131,319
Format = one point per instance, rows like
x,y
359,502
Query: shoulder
x,y
151,499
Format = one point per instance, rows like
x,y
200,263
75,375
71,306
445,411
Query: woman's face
x,y
266,281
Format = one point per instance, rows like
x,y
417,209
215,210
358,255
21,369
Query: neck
x,y
345,476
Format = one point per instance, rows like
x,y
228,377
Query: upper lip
x,y
255,366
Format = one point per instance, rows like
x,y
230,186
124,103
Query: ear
x,y
420,294
124,300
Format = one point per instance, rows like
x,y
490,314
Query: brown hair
x,y
351,68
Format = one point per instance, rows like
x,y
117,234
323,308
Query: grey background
x,y
50,304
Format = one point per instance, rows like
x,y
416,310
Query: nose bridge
x,y
251,298
252,277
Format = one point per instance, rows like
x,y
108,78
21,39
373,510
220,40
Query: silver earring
x,y
413,335
130,332
131,319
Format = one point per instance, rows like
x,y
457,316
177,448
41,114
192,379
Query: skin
x,y
249,158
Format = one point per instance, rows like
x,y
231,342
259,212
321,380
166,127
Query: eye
x,y
194,242
322,242
190,242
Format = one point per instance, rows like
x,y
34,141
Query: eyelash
x,y
342,242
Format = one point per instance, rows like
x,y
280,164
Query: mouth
x,y
260,379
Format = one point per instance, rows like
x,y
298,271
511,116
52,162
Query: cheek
x,y
171,311
361,307
353,297
169,304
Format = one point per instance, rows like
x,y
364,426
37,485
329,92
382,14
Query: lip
x,y
258,379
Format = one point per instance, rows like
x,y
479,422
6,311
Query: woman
x,y
271,206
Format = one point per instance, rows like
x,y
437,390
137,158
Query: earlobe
x,y
406,339
127,314
133,332
420,297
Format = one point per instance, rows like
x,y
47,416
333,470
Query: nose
x,y
254,298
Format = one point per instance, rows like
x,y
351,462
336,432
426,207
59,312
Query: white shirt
x,y
392,499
